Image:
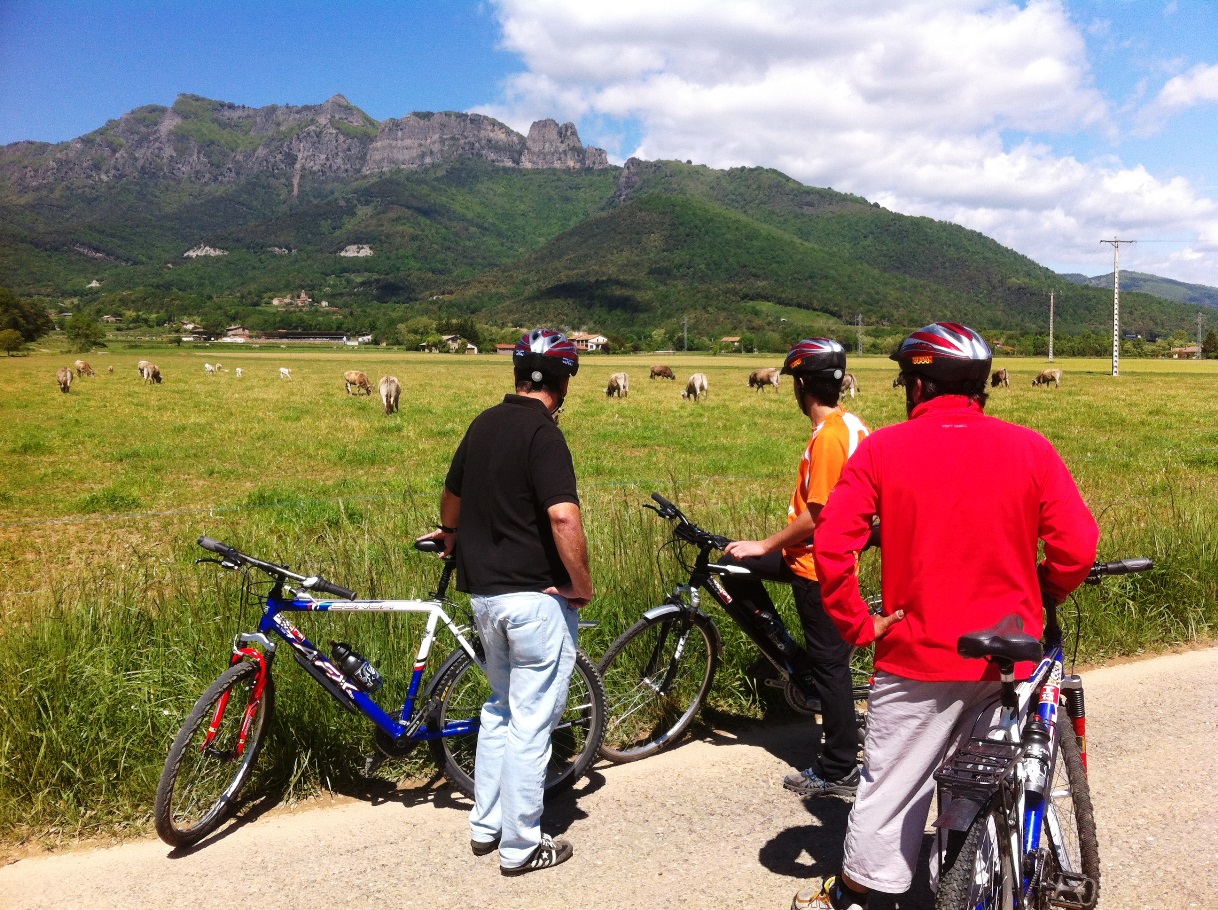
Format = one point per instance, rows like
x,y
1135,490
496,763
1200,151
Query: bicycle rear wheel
x,y
981,876
202,779
657,676
1070,825
464,689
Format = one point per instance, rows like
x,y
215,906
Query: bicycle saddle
x,y
1005,639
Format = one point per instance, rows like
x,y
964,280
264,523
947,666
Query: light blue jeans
x,y
529,639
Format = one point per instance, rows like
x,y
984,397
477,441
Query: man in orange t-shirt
x,y
817,367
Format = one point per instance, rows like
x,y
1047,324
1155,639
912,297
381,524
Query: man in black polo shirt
x,y
524,560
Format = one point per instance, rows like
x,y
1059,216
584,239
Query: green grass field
x,y
108,631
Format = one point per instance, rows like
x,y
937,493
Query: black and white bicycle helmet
x,y
545,352
945,352
816,356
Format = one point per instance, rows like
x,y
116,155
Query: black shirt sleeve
x,y
456,470
551,470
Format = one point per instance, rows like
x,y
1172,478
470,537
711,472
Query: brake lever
x,y
222,563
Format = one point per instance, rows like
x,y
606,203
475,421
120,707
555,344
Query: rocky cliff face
x,y
213,142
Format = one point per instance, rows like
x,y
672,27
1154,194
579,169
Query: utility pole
x,y
1050,326
687,334
1200,321
1116,303
859,322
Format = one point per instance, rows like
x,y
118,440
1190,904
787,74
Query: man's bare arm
x,y
568,526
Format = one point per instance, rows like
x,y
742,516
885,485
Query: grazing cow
x,y
850,384
83,369
391,391
1048,376
661,371
139,367
899,381
619,385
151,372
285,373
109,369
359,380
64,378
209,369
759,379
1000,378
238,372
696,387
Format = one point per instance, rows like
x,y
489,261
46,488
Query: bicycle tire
x,y
464,689
198,790
653,696
981,876
1070,818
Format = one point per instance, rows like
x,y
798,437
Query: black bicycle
x,y
658,673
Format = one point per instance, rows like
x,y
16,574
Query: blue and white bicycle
x,y
213,755
1015,802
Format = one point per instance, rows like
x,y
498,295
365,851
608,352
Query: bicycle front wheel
x,y
574,741
657,676
204,772
1070,824
982,875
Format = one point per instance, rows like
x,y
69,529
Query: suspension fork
x,y
1072,694
263,663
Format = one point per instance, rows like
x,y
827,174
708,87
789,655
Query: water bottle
x,y
1036,756
356,666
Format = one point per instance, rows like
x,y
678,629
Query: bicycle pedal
x,y
775,682
372,763
1072,891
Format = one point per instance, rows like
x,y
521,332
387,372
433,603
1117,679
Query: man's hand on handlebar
x,y
743,549
449,539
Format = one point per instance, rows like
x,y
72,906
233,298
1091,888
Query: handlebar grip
x,y
430,545
664,503
1123,566
329,587
209,543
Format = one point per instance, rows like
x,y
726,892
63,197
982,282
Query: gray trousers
x,y
911,727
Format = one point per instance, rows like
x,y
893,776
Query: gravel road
x,y
707,825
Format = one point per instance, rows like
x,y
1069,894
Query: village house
x,y
588,342
236,334
1188,350
732,341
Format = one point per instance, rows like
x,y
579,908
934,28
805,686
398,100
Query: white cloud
x,y
1197,86
946,108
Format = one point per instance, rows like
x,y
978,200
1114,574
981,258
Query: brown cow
x,y
64,378
759,379
899,381
619,385
1048,376
359,380
109,369
1000,378
391,391
696,388
662,371
83,368
850,384
151,372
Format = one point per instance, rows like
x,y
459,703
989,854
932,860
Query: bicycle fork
x,y
263,662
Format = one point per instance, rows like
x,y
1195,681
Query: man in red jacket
x,y
963,500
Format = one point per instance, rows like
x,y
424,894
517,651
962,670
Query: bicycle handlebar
x,y
237,558
1120,567
686,529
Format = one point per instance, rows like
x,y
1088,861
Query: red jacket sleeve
x,y
1068,530
841,534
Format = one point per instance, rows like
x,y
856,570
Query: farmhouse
x,y
1188,350
731,340
236,334
586,341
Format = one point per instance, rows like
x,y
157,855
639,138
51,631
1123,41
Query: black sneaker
x,y
809,783
549,853
483,847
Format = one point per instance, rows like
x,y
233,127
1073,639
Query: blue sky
x,y
1046,124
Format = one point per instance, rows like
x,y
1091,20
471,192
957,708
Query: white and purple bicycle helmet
x,y
545,353
945,352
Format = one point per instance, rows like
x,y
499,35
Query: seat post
x,y
1006,672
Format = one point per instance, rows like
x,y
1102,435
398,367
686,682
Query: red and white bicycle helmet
x,y
945,352
816,355
547,352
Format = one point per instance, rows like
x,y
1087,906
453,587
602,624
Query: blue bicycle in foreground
x,y
213,755
1015,802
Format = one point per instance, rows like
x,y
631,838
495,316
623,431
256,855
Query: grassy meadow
x,y
108,631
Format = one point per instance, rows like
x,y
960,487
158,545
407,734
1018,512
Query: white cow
x,y
849,384
238,372
285,373
391,391
209,369
696,388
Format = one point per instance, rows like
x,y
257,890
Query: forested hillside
x,y
208,211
